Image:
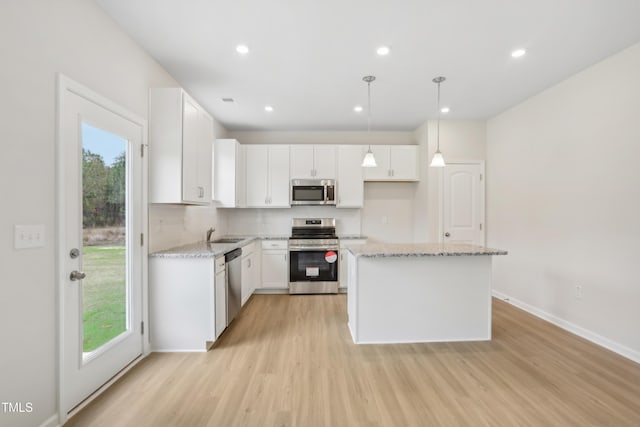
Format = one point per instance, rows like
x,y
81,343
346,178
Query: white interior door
x,y
463,203
100,256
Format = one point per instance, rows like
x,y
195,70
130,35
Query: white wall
x,y
323,137
460,140
563,194
37,40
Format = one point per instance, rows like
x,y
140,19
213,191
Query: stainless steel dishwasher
x,y
234,282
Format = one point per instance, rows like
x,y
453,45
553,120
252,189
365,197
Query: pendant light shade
x,y
369,160
438,161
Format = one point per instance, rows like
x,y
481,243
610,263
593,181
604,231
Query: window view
x,y
104,186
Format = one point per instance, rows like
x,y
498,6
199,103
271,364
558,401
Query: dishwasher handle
x,y
230,256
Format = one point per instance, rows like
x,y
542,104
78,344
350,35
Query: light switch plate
x,y
28,236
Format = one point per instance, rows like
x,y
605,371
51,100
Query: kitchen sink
x,y
229,240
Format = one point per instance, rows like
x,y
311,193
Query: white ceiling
x,y
308,57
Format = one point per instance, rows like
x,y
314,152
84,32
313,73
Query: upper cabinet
x,y
267,176
313,162
229,174
395,163
350,185
180,146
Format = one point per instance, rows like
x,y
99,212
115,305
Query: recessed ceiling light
x,y
383,50
445,110
358,108
242,49
518,53
268,108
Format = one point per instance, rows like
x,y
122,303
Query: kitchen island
x,y
409,293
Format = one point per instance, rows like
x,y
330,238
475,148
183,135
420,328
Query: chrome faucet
x,y
209,233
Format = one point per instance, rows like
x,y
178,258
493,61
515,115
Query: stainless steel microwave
x,y
313,192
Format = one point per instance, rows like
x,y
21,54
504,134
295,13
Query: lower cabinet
x,y
187,303
275,264
343,270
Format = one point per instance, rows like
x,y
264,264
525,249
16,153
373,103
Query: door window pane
x,y
104,255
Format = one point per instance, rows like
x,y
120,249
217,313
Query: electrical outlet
x,y
28,236
579,291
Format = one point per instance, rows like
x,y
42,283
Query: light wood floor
x,y
289,361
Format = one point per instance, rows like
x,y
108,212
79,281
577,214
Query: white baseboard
x,y
570,327
52,421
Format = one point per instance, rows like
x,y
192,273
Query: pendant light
x,y
438,161
369,161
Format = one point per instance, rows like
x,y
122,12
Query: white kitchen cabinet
x,y
187,303
267,176
229,173
180,147
250,270
275,264
395,163
313,162
350,183
343,269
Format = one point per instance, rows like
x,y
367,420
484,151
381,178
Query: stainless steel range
x,y
313,256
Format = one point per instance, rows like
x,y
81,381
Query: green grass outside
x,y
104,294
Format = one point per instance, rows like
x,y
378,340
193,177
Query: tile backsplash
x,y
277,222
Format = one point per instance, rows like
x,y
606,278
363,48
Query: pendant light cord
x,y
369,107
438,127
369,79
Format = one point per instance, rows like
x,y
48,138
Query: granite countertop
x,y
421,249
201,249
210,250
352,237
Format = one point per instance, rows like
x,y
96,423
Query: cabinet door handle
x,y
249,263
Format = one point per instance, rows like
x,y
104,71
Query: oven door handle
x,y
312,248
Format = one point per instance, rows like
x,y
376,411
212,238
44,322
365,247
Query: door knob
x,y
447,234
77,275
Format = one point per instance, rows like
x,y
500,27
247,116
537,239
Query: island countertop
x,y
421,249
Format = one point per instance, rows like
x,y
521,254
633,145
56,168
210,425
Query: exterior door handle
x,y
77,275
447,234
